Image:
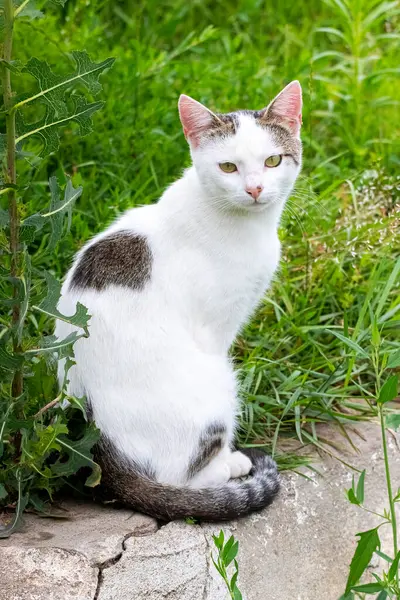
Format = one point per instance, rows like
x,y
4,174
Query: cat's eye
x,y
228,167
273,161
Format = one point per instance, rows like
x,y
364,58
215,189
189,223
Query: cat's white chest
x,y
229,292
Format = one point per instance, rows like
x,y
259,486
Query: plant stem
x,y
11,178
20,8
389,483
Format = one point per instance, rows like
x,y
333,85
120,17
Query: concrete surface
x,y
298,549
45,574
173,564
93,530
301,548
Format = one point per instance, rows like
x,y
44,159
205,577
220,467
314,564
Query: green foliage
x,y
47,127
227,553
387,583
355,494
41,443
389,390
367,544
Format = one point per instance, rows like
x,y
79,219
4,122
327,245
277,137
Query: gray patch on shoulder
x,y
122,258
211,443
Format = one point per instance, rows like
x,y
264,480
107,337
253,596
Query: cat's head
x,y
246,159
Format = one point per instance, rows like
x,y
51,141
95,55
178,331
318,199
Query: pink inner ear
x,y
195,117
287,106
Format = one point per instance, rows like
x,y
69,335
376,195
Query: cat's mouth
x,y
260,204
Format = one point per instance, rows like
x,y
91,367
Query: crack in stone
x,y
209,549
110,562
106,565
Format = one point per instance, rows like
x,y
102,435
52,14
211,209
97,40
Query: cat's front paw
x,y
239,464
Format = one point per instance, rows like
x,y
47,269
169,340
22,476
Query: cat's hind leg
x,y
239,464
223,466
216,473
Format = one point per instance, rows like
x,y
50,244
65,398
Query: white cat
x,y
168,287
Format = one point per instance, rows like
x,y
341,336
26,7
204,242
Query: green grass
x,y
341,230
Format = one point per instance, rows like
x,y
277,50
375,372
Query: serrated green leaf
x,y
55,215
79,455
58,208
52,344
53,86
28,231
45,441
27,9
389,390
35,221
394,360
8,361
94,479
392,421
367,544
48,306
81,404
46,128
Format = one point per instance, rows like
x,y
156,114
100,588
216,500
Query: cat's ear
x,y
286,107
195,118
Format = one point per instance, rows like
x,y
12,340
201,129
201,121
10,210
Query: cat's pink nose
x,y
254,192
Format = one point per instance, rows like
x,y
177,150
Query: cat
x,y
169,286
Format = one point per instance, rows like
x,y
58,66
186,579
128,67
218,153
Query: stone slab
x,y
297,549
301,547
94,530
45,574
174,564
